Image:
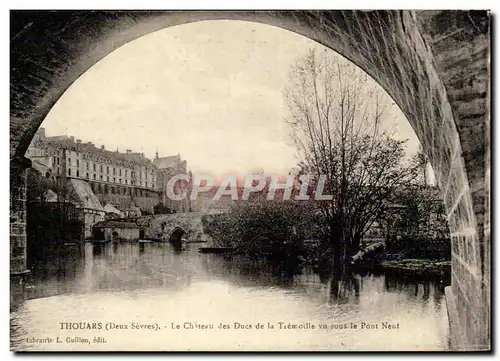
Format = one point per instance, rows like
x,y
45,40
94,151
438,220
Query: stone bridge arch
x,y
176,231
434,64
176,236
161,227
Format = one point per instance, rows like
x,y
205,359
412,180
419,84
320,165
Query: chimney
x,y
78,141
129,151
102,147
72,138
41,132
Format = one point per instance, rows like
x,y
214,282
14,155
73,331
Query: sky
x,y
210,91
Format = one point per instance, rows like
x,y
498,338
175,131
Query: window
x,y
78,162
101,176
126,181
126,172
101,169
58,161
87,176
120,172
114,170
107,179
107,170
69,172
54,159
120,180
94,167
114,180
94,175
87,165
77,173
69,160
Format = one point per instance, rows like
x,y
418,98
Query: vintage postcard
x,y
300,180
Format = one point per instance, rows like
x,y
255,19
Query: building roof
x,y
109,208
40,167
167,162
115,224
66,142
137,158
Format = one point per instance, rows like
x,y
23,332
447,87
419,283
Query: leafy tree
x,y
422,162
160,208
261,227
39,188
424,214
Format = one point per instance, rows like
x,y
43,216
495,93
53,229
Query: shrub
x,y
263,227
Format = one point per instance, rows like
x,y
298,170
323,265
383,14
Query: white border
x,y
180,5
249,5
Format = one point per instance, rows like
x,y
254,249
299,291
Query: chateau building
x,y
127,180
167,168
74,159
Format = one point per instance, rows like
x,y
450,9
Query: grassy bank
x,y
416,267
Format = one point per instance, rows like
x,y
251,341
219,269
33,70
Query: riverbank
x,y
390,263
416,266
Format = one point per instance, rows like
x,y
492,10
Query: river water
x,y
147,297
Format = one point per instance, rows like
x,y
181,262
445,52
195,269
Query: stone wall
x,y
18,173
124,197
147,203
18,216
460,43
123,201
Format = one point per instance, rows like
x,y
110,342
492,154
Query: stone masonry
x,y
18,270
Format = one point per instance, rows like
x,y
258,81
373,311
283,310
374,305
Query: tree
x,y
424,215
335,121
261,227
38,188
423,161
160,208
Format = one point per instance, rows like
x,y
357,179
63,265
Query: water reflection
x,y
117,281
345,289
